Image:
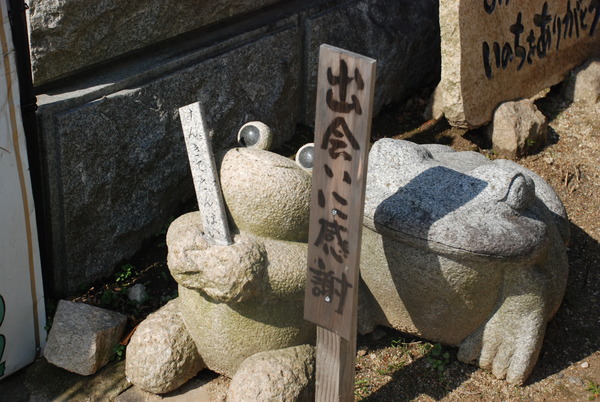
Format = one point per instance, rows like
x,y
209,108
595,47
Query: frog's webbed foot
x,y
275,375
509,343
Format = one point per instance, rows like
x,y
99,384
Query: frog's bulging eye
x,y
305,156
255,134
521,192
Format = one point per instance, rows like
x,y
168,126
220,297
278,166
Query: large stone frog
x,y
238,300
456,249
464,251
247,297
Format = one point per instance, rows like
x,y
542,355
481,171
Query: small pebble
x,y
576,381
585,365
361,352
137,293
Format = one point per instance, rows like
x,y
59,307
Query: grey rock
x,y
463,251
279,375
575,381
161,355
137,293
69,35
435,107
584,83
518,129
136,169
195,390
403,36
82,337
378,334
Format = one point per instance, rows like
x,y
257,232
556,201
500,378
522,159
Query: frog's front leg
x,y
509,343
230,273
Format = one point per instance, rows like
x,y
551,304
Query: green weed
x,y
594,389
126,272
361,387
109,299
398,343
118,352
437,357
391,368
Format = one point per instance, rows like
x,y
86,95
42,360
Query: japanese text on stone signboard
x,y
339,142
545,33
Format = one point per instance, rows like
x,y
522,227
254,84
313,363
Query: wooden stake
x,y
342,131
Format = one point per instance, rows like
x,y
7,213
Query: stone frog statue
x,y
456,249
464,251
239,300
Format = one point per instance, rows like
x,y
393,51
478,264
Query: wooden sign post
x,y
345,90
205,175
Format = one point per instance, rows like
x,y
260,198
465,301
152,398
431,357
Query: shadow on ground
x,y
573,334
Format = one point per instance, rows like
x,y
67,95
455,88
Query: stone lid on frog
x,y
460,203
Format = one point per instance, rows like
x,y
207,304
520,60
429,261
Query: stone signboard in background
x,y
499,50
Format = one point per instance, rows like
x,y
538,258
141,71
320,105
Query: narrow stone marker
x,y
205,175
345,90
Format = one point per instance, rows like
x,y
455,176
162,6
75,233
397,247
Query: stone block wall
x,y
69,35
111,79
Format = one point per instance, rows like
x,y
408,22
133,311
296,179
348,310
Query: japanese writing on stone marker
x,y
339,142
534,39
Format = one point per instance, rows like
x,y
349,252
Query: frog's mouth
x,y
484,213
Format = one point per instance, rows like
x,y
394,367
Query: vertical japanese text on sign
x,y
341,139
